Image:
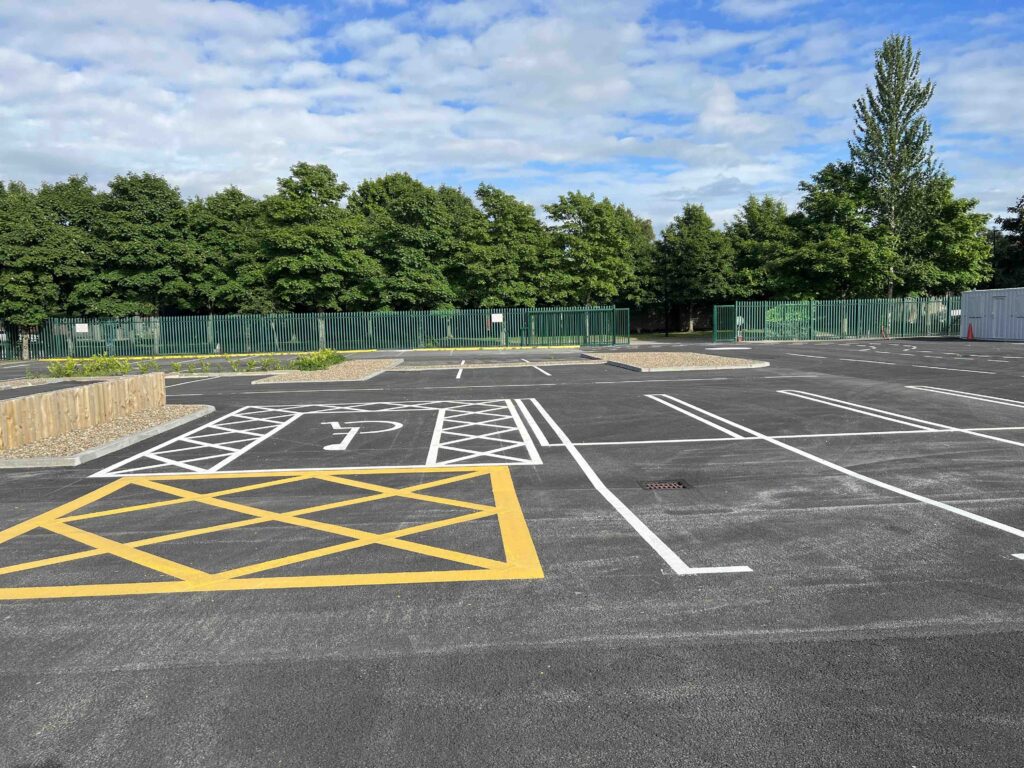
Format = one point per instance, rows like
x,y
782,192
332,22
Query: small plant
x,y
192,368
205,366
251,364
269,364
63,368
103,365
176,367
148,366
318,361
235,365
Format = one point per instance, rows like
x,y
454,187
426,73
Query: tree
x,y
1008,248
312,246
764,241
226,229
839,254
948,250
147,262
75,206
404,230
693,263
35,252
891,145
600,246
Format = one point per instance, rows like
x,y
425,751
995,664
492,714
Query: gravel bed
x,y
350,370
674,361
84,439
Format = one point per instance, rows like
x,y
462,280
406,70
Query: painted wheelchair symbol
x,y
348,430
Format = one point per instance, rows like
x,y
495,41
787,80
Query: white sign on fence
x,y
81,327
497,317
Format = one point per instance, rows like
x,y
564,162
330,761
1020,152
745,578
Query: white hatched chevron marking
x,y
469,432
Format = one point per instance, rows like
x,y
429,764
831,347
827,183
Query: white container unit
x,y
995,315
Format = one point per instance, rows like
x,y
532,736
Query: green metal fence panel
x,y
724,322
255,334
839,319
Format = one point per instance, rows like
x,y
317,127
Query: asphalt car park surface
x,y
429,570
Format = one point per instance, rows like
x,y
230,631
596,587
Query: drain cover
x,y
663,485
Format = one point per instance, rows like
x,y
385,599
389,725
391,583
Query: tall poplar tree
x,y
891,144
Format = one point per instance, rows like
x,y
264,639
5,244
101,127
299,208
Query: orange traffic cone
x,y
970,332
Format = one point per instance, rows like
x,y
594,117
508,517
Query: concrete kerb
x,y
106,448
415,367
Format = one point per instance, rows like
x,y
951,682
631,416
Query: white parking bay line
x,y
961,370
671,558
872,362
797,354
864,478
535,367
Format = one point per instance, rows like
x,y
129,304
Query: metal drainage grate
x,y
664,485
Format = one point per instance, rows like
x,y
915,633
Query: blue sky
x,y
651,104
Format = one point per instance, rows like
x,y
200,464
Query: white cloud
x,y
761,9
540,98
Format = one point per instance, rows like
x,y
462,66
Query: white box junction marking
x,y
467,433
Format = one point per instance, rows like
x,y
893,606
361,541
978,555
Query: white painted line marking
x,y
962,370
694,416
1019,556
671,558
535,367
459,374
435,438
863,410
969,395
192,381
803,437
797,354
532,423
524,433
648,381
872,362
864,478
794,376
723,349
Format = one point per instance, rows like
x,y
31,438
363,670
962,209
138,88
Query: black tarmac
x,y
873,489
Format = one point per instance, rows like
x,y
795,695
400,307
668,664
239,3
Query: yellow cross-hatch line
x,y
520,561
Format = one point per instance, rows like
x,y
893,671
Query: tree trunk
x,y
24,342
690,319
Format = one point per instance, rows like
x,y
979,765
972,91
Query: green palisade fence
x,y
260,334
837,319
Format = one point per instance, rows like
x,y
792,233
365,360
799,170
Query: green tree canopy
x,y
226,229
763,240
600,245
1008,247
839,254
694,262
146,265
315,261
35,254
891,146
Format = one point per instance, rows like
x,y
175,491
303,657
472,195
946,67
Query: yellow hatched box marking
x,y
520,561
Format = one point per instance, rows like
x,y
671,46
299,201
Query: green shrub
x,y
63,368
318,361
176,367
97,365
236,365
269,364
104,365
148,366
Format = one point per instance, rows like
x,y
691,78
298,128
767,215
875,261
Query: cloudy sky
x,y
651,104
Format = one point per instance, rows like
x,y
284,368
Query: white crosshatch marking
x,y
468,433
